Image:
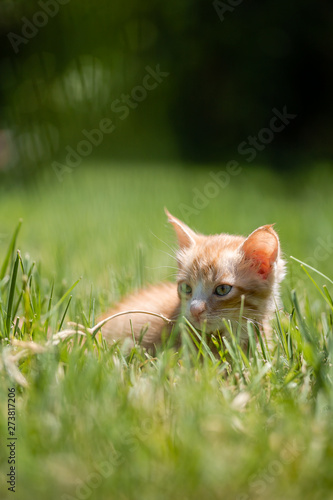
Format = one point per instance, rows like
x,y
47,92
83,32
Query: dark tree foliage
x,y
68,64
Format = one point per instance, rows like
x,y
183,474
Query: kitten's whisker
x,y
254,321
173,257
227,311
161,267
238,309
210,317
162,241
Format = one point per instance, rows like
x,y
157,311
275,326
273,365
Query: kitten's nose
x,y
197,308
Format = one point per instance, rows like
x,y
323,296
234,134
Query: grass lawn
x,y
92,422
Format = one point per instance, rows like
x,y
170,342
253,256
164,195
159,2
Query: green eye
x,y
185,288
222,290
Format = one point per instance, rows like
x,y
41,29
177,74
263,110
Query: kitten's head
x,y
215,271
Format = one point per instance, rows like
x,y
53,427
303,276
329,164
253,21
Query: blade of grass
x,y
244,357
46,326
11,293
318,288
16,328
143,332
263,371
194,340
239,327
230,348
282,334
252,342
205,345
17,304
235,344
189,343
58,304
328,294
10,251
312,269
262,342
65,312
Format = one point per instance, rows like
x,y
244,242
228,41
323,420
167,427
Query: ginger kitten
x,y
213,274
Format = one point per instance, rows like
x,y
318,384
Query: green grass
x,y
93,422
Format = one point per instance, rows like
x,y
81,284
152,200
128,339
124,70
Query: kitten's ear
x,y
262,248
186,237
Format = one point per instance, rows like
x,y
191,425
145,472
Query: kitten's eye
x,y
222,290
185,288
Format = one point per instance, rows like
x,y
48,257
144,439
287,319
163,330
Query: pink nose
x,y
197,308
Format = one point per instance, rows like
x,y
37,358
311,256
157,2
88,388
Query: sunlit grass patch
x,y
96,420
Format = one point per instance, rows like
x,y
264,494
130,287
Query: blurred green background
x,y
111,111
65,63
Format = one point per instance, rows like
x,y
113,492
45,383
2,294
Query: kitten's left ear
x,y
186,237
262,248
